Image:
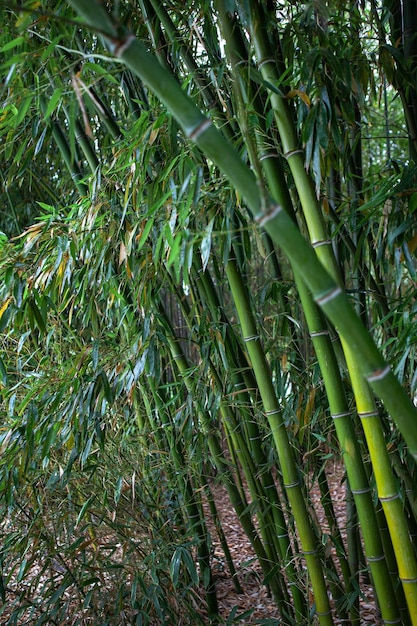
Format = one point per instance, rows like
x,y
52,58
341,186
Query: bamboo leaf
x,y
53,102
3,372
206,244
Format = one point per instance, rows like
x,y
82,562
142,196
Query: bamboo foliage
x,y
185,300
267,214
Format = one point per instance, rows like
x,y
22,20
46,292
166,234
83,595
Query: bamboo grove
x,y
208,278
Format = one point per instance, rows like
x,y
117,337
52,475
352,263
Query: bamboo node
x,y
272,212
251,338
291,153
319,333
291,486
263,62
359,492
269,155
408,581
121,46
367,414
395,496
321,242
378,374
199,130
309,552
374,559
337,416
328,296
274,412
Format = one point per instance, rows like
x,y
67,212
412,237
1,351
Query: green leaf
x,y
182,556
12,44
206,244
3,372
412,203
174,250
53,102
108,394
175,566
40,141
98,69
84,509
118,490
145,232
87,448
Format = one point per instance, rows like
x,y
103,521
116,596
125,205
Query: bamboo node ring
x,y
199,130
328,296
251,338
321,242
368,414
291,153
337,416
263,62
359,492
269,155
408,581
374,559
291,486
378,374
395,496
121,46
272,212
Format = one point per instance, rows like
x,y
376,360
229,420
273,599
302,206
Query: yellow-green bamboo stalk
x,y
324,251
273,529
351,454
266,213
343,419
223,471
292,481
386,485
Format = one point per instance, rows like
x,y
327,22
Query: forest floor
x,y
255,601
255,597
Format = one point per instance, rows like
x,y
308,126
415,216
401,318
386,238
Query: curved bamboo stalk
x,y
320,239
266,213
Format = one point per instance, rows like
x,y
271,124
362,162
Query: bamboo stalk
x,y
386,487
291,477
196,520
261,484
342,420
224,473
266,213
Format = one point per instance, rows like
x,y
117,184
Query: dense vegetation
x,y
207,260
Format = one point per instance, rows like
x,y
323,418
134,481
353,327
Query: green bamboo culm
x,y
266,212
373,431
224,472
